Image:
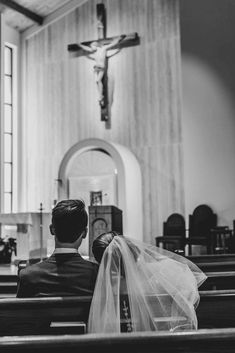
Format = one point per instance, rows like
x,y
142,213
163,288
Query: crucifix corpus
x,y
97,50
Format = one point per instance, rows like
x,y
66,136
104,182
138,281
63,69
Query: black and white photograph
x,y
117,176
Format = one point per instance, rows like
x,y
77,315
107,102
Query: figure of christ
x,y
98,53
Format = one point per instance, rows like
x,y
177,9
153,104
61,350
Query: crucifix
x,y
97,50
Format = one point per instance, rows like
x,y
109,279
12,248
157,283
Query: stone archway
x,y
128,180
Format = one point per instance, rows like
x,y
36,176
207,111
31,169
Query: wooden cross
x,y
99,48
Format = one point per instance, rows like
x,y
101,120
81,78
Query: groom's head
x,y
69,221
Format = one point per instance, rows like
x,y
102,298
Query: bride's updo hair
x,y
100,244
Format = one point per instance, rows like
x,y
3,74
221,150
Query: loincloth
x,y
98,68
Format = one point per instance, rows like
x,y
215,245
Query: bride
x,y
140,287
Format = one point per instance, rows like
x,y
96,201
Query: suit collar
x,y
65,251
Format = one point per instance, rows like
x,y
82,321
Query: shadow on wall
x,y
207,32
209,140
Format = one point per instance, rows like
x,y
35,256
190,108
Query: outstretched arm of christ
x,y
115,51
85,48
115,42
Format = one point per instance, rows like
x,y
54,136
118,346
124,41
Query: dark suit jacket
x,y
59,275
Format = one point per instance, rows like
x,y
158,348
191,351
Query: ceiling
x,y
41,7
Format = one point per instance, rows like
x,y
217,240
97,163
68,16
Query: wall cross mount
x,y
97,50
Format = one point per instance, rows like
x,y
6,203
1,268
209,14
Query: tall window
x,y
8,129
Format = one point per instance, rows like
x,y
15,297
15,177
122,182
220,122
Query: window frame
x,y
13,132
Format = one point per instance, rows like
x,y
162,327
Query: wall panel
x,y
145,83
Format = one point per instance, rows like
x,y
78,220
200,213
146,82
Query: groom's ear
x,y
52,229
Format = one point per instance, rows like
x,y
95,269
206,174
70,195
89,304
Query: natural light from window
x,y
8,129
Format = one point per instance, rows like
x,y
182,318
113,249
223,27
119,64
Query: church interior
x,y
148,145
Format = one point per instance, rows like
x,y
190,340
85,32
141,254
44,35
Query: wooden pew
x,y
69,314
216,309
214,263
201,341
44,315
219,281
8,285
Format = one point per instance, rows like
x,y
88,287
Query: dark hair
x,y
100,244
69,219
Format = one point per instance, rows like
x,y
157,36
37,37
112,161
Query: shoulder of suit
x,y
32,268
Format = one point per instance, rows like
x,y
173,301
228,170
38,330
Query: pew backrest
x,y
43,315
216,309
70,314
219,281
214,263
201,341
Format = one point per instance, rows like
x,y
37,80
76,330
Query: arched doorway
x,y
128,180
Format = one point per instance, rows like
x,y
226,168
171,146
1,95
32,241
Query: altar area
x,y
34,241
31,231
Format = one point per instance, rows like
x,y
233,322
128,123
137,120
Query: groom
x,y
65,272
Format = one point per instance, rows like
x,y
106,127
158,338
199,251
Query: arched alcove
x,y
129,184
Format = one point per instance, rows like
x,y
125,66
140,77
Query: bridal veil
x,y
144,288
